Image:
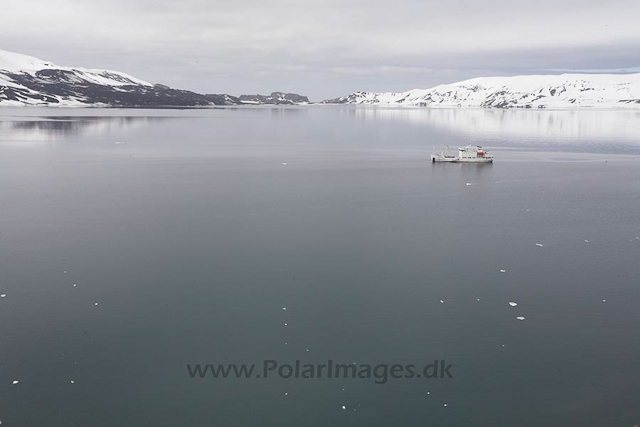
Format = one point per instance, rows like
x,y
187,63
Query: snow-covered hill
x,y
25,80
536,91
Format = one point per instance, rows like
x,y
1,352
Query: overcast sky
x,y
324,48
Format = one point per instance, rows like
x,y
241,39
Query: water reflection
x,y
364,127
18,130
548,129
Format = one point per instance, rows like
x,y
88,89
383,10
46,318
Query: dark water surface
x,y
192,234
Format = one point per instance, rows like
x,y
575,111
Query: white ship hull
x,y
469,154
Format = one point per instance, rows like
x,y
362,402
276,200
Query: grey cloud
x,y
324,48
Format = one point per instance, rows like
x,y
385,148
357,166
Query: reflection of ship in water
x,y
51,128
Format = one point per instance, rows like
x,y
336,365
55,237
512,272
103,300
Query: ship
x,y
468,154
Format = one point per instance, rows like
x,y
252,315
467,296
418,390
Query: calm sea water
x,y
193,229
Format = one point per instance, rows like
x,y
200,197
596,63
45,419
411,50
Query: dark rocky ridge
x,y
50,86
277,98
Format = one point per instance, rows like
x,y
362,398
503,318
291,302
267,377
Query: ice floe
x,y
520,317
513,304
503,271
15,382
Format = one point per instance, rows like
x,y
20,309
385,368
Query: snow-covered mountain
x,y
536,91
25,80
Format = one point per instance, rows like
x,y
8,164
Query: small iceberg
x,y
513,304
520,317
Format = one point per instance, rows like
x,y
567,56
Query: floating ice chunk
x,y
478,299
428,392
285,323
520,317
540,245
307,349
95,303
285,164
75,284
15,382
446,404
286,394
503,345
73,382
3,295
586,241
503,271
284,308
604,300
469,183
65,272
344,407
441,302
513,304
